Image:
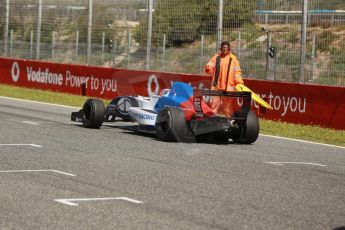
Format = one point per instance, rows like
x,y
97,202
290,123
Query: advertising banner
x,y
302,103
100,82
292,102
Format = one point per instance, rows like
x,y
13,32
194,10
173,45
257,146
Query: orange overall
x,y
226,74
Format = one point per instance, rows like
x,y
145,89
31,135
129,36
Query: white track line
x,y
37,122
37,170
69,201
309,142
297,163
30,122
33,145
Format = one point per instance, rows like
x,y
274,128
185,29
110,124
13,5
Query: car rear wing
x,y
207,92
239,114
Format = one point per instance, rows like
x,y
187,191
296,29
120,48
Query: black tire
x,y
122,107
93,114
249,130
171,126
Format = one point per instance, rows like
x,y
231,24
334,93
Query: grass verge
x,y
302,132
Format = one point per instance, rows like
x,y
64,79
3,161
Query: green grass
x,y
40,95
303,132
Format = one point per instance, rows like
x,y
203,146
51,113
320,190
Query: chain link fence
x,y
264,34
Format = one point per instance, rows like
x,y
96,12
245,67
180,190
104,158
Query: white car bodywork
x,y
144,114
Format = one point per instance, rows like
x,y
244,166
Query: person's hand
x,y
208,67
240,87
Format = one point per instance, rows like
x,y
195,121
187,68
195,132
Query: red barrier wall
x,y
303,103
293,102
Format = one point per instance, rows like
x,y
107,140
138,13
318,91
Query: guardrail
x,y
320,17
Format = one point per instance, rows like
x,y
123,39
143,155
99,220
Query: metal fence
x,y
180,36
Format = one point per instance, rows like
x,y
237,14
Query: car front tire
x,y
93,114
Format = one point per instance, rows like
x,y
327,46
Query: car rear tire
x,y
249,130
171,126
93,114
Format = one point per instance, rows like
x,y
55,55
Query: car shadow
x,y
135,131
339,228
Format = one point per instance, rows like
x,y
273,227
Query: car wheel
x,y
93,113
249,130
171,125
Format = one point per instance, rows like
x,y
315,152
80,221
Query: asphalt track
x,y
142,183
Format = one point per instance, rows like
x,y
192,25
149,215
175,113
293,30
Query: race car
x,y
179,114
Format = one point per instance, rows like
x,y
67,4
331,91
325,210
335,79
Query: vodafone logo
x,y
152,86
15,71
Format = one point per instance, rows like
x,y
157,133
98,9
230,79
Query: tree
x,y
184,21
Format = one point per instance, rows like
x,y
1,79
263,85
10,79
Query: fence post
x,y
332,20
11,42
53,46
268,44
303,39
287,19
89,28
163,51
129,48
201,53
114,52
313,58
68,8
220,23
38,37
103,41
31,43
239,45
77,43
6,26
275,65
149,34
266,19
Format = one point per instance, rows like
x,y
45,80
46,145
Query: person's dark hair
x,y
225,43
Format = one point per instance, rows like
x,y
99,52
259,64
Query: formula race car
x,y
179,114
